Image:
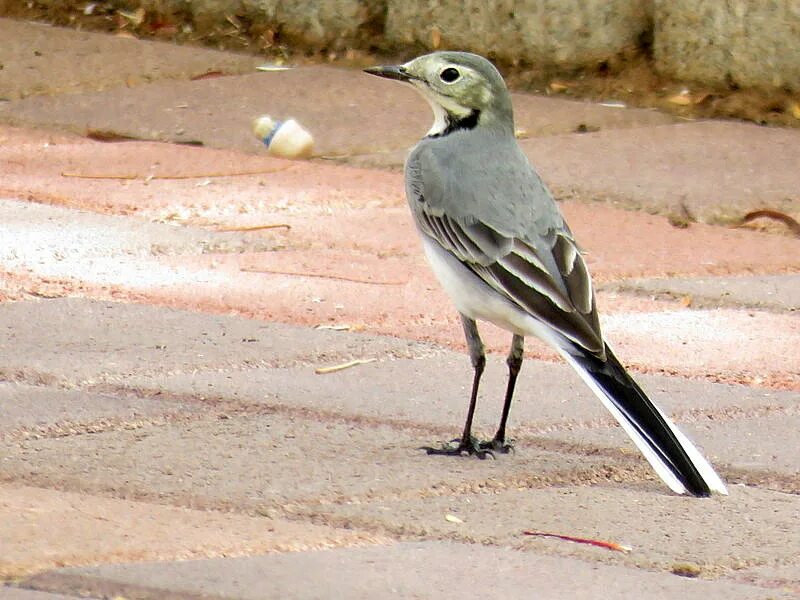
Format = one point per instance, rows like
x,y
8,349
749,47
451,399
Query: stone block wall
x,y
548,33
745,43
748,43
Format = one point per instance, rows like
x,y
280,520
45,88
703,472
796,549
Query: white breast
x,y
475,299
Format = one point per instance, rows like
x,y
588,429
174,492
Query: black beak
x,y
398,73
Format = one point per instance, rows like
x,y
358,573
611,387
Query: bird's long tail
x,y
674,458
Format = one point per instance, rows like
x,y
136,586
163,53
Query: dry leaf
x,y
136,17
452,518
686,301
682,99
686,98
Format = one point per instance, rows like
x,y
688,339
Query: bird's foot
x,y
497,446
471,447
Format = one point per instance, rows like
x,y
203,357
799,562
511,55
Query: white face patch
x,y
439,118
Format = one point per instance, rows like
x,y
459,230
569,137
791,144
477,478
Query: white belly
x,y
477,300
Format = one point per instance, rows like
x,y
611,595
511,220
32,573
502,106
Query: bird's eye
x,y
449,75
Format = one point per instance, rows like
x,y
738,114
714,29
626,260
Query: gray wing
x,y
498,218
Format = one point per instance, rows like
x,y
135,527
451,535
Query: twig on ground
x,y
152,176
322,276
257,227
579,540
343,366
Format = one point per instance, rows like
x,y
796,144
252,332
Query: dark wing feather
x,y
506,228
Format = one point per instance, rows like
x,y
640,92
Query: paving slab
x,y
717,170
269,461
742,444
110,250
408,570
43,529
39,410
637,159
233,359
777,292
331,103
13,137
781,577
435,390
12,593
182,184
347,111
105,249
552,404
103,237
334,206
86,341
749,346
553,409
310,276
662,530
42,59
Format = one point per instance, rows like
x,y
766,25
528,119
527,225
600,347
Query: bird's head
x,y
465,90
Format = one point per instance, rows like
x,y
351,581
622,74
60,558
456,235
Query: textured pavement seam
x,y
712,570
93,587
759,478
312,510
215,407
211,406
698,301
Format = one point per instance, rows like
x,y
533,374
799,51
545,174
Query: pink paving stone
x,y
175,181
734,346
338,206
352,255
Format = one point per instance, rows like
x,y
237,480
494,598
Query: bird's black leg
x,y
514,362
468,444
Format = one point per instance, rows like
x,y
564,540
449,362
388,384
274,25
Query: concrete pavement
x,y
166,434
260,454
405,570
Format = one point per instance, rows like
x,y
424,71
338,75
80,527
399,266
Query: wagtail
x,y
499,246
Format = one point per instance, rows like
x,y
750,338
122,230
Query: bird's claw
x,y
498,446
473,447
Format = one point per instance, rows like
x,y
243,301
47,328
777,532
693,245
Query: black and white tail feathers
x,y
674,458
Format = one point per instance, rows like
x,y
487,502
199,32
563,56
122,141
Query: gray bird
x,y
499,246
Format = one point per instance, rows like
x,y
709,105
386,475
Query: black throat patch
x,y
455,123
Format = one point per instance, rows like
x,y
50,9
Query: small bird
x,y
500,248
